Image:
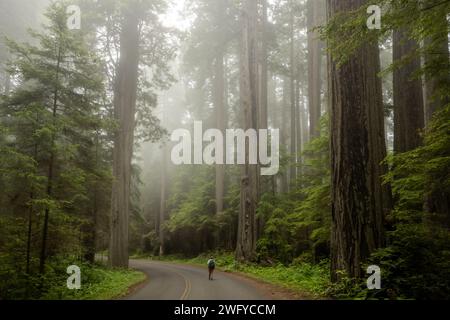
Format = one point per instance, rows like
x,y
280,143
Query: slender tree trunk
x,y
51,164
304,116
125,93
293,169
264,69
301,124
357,149
162,206
221,125
275,120
408,96
220,103
264,182
316,14
284,178
246,240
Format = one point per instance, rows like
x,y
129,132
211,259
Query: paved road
x,y
168,281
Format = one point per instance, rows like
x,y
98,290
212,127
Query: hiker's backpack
x,y
211,264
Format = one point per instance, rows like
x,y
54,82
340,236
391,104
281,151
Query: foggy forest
x,y
118,122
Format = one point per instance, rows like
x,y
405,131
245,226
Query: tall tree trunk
x,y
298,120
220,103
221,125
357,149
246,240
263,182
293,169
408,96
264,69
304,116
125,93
316,14
284,176
162,205
274,116
51,164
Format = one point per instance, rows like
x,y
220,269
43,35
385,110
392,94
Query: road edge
x,y
134,287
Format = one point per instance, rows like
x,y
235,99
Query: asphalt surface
x,y
168,281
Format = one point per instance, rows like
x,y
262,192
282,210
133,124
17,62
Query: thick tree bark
x,y
247,228
125,93
408,96
316,9
357,149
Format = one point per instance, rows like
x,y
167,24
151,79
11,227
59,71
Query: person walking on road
x,y
211,267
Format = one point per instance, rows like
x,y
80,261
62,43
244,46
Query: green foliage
x,y
307,278
97,282
416,262
194,226
276,241
54,156
315,207
298,224
423,21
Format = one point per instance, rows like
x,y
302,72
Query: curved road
x,y
168,281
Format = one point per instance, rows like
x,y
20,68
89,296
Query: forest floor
x,y
278,282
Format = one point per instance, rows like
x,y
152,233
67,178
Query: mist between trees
x,y
358,173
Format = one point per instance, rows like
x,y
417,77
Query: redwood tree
x,y
357,149
315,17
247,227
125,93
408,95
